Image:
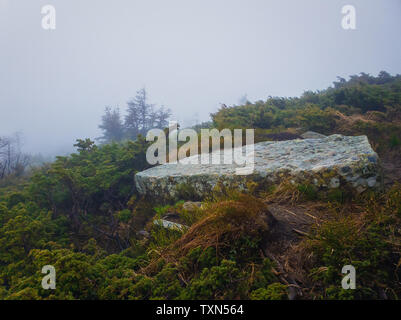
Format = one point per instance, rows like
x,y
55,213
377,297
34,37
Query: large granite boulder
x,y
329,162
312,135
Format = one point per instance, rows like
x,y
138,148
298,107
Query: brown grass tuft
x,y
226,222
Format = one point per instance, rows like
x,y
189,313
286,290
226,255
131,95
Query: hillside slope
x,y
83,215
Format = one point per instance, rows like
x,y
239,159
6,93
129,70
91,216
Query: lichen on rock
x,y
331,162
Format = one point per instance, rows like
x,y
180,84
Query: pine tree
x,y
142,116
112,126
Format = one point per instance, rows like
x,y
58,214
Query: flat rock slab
x,y
170,224
312,135
329,162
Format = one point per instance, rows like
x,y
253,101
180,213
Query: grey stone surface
x,y
171,215
312,135
191,206
143,234
330,162
169,224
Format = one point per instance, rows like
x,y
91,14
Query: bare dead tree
x,y
12,160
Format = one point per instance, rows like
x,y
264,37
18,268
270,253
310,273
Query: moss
x,y
163,237
124,215
308,191
336,195
274,291
185,191
366,239
395,141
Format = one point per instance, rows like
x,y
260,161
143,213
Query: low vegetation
x,y
82,215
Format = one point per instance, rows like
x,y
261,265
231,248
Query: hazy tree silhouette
x,y
140,117
12,160
112,126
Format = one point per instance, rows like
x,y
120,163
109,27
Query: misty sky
x,y
191,55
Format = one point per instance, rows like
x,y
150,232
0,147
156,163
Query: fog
x,y
190,55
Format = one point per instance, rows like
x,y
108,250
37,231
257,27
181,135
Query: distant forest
x,y
140,118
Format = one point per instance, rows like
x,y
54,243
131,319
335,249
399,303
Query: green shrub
x,y
274,291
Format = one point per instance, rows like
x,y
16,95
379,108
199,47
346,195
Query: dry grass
x,y
223,223
227,222
284,193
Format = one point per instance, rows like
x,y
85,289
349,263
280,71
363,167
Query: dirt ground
x,y
391,164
